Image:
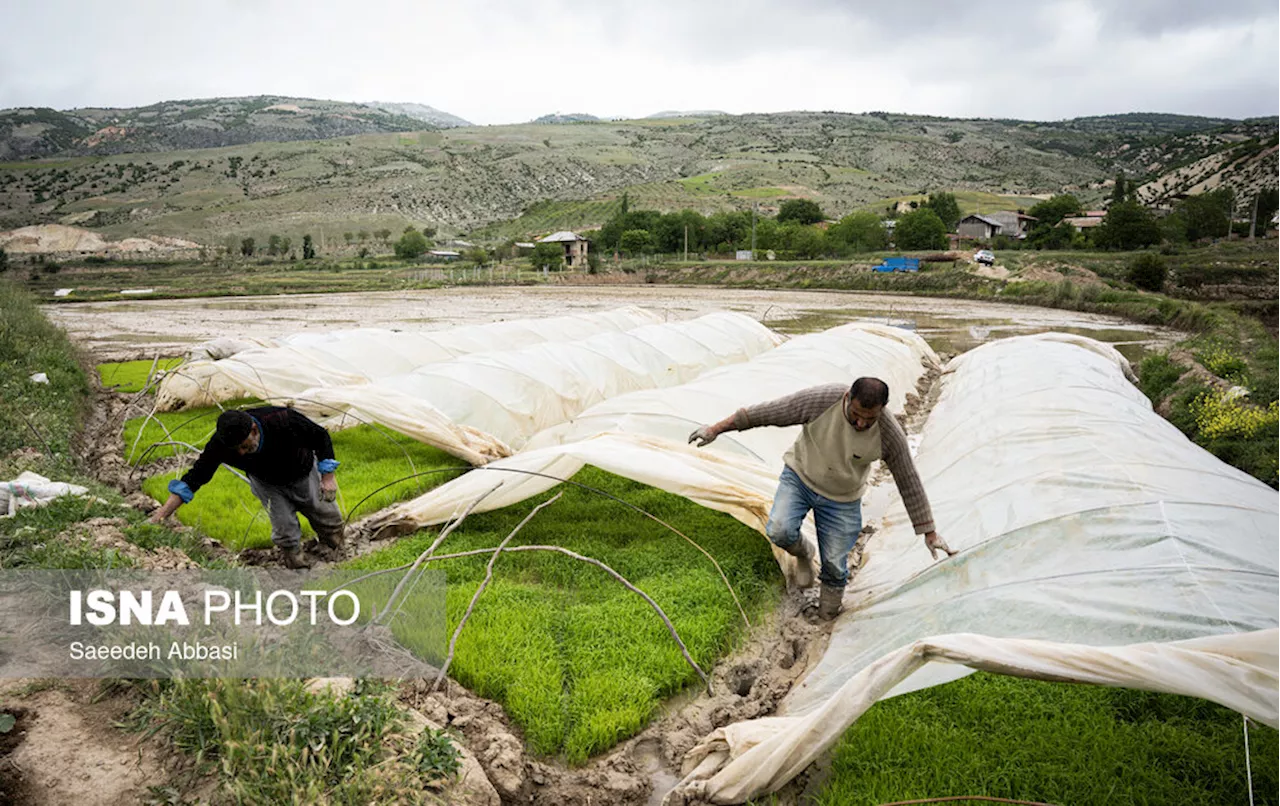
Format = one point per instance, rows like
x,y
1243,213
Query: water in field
x,y
116,331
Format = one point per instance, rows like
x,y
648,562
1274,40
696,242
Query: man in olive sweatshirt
x,y
290,464
827,469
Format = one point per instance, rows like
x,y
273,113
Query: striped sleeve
x,y
797,409
897,455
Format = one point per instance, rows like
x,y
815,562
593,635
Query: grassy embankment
x,y
39,428
230,278
268,741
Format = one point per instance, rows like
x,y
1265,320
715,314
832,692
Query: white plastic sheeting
x,y
358,356
643,435
482,406
1083,521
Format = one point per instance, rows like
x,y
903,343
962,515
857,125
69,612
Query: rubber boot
x,y
294,559
334,540
804,563
829,602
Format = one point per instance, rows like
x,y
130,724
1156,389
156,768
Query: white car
x,y
984,256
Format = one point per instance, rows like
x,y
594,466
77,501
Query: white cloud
x,y
498,61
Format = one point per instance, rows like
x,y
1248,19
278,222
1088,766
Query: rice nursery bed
x,y
1050,743
131,376
578,661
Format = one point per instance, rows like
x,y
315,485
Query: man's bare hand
x,y
158,515
704,436
935,544
328,487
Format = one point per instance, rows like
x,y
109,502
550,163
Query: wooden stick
x,y
424,555
488,576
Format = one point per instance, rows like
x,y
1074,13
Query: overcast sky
x,y
503,61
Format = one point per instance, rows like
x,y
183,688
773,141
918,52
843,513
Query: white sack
x,y
347,357
33,490
1081,518
482,406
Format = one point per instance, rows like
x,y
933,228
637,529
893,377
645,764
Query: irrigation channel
x,y
776,655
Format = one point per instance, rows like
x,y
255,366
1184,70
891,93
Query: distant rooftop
x,y
561,237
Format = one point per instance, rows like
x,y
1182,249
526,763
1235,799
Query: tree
x,y
1054,209
285,245
412,245
478,255
1118,193
920,229
636,242
802,211
383,235
4,260
860,231
1148,272
946,207
1268,203
1207,215
308,248
348,236
246,247
1058,236
363,235
1127,225
806,242
550,255
273,245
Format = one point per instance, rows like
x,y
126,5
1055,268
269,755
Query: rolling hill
x,y
499,182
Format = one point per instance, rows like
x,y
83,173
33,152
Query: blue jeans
x,y
838,525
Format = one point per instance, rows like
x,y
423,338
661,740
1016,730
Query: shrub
x,y
1226,365
1156,376
1148,272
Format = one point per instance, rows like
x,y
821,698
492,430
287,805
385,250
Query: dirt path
x,y
68,750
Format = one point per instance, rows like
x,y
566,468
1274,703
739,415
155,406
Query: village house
x,y
979,227
575,248
1012,223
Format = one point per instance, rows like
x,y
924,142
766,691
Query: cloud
x,y
495,61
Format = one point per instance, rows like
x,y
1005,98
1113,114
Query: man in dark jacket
x,y
290,464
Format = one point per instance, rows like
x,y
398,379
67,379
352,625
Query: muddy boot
x,y
333,540
829,602
804,563
294,559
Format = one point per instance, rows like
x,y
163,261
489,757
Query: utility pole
x,y
753,230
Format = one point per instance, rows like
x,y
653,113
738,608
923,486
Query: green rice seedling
x,y
192,426
579,661
1050,743
131,376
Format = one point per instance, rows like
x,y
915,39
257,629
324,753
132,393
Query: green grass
x,y
1050,742
227,511
131,376
272,741
43,416
38,423
578,661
